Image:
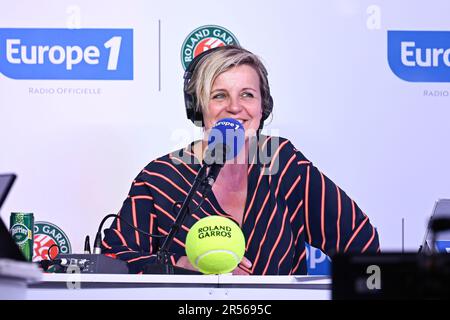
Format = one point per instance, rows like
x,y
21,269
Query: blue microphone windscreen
x,y
230,133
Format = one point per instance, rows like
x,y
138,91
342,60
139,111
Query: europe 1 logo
x,y
66,54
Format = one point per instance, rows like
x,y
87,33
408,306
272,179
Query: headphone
x,y
190,100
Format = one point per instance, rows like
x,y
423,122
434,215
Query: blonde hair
x,y
218,62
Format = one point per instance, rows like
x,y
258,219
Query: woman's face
x,y
235,94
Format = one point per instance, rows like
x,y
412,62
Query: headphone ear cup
x,y
267,110
197,116
188,102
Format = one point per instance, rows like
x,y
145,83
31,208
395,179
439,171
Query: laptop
x,y
441,210
8,248
6,182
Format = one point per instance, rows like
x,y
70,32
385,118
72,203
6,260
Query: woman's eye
x,y
218,96
247,94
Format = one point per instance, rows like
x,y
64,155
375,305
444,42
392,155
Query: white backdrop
x,y
380,138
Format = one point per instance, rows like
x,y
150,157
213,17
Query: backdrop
x,y
91,91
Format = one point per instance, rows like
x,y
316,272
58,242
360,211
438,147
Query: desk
x,y
179,287
14,278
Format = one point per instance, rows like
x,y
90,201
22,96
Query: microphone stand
x,y
203,183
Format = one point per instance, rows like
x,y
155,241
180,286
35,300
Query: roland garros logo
x,y
46,235
205,38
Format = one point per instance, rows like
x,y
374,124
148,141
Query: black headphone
x,y
190,100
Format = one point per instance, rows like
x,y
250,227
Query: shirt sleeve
x,y
333,221
124,242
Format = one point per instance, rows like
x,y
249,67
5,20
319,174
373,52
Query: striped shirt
x,y
289,202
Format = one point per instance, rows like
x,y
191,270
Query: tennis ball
x,y
215,245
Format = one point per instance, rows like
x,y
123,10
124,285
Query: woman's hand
x,y
244,268
183,262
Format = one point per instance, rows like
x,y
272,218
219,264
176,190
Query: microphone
x,y
225,141
87,245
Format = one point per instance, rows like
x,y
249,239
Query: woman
x,y
280,204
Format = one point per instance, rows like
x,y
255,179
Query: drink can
x,y
22,231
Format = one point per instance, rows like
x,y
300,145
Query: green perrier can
x,y
22,231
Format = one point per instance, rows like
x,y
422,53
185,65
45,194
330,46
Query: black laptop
x,y
8,248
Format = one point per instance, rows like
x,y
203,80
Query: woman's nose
x,y
234,105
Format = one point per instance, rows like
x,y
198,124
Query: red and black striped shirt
x,y
289,202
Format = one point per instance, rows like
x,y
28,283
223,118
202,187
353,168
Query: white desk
x,y
14,278
179,287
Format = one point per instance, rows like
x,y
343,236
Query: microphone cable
x,y
98,237
49,250
45,264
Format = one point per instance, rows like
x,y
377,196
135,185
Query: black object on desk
x,y
158,268
8,247
89,263
391,276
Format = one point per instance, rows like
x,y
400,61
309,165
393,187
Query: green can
x,y
22,231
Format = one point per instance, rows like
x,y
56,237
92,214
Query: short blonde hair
x,y
220,61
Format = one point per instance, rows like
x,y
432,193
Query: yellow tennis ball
x,y
215,245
